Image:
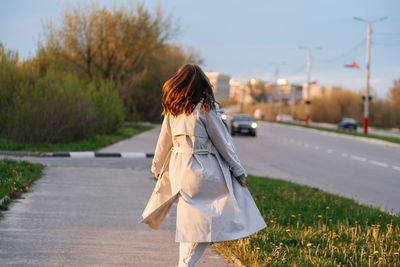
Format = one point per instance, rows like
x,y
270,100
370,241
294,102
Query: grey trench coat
x,y
196,158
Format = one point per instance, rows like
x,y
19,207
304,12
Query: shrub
x,y
59,107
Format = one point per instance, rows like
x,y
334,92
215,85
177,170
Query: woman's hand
x,y
244,180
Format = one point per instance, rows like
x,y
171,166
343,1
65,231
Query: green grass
x,y
310,227
15,178
373,136
89,144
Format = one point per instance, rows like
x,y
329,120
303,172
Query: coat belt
x,y
183,149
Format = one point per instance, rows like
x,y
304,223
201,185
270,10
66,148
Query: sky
x,y
248,39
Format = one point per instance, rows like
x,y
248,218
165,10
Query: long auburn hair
x,y
185,90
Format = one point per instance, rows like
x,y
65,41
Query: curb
x,y
232,258
85,154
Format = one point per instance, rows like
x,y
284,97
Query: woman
x,y
195,161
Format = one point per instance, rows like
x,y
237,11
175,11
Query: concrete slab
x,y
145,142
85,213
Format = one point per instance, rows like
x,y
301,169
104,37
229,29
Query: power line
x,y
387,33
357,46
303,67
385,44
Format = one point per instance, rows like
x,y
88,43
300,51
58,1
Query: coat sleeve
x,y
222,140
164,145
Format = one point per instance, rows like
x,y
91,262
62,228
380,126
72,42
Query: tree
x,y
393,100
122,44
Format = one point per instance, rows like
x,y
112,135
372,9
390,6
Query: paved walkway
x,y
85,212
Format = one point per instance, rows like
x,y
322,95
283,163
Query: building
x,y
240,92
288,93
220,84
318,90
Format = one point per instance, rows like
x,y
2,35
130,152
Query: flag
x,y
352,65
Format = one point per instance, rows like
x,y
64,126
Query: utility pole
x,y
367,74
277,89
308,102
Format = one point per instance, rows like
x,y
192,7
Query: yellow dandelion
x,y
269,258
280,244
327,207
293,216
376,252
272,221
396,254
309,245
15,189
26,187
257,248
380,258
298,215
287,230
15,183
319,216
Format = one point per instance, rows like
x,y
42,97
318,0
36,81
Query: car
x,y
347,124
284,117
243,123
223,116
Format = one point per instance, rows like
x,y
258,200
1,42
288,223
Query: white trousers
x,y
190,253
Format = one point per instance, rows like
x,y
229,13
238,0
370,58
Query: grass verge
x,y
88,144
15,178
373,136
310,227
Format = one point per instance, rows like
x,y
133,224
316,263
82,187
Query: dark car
x,y
243,123
347,124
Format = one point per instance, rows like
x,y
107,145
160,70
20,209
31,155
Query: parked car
x,y
284,117
223,117
243,123
347,124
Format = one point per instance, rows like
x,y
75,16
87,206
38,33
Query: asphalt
x,y
85,212
364,170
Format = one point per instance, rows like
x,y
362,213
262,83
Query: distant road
x,y
369,173
371,130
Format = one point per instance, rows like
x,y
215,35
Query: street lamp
x,y
366,98
277,89
308,102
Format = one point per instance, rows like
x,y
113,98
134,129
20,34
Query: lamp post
x,y
308,102
367,73
277,89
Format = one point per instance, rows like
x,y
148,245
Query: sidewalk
x,y
85,212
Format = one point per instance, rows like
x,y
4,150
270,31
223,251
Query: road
x,y
360,129
369,173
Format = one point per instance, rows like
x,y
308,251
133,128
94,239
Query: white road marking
x,y
358,158
133,155
81,154
396,168
345,155
378,163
